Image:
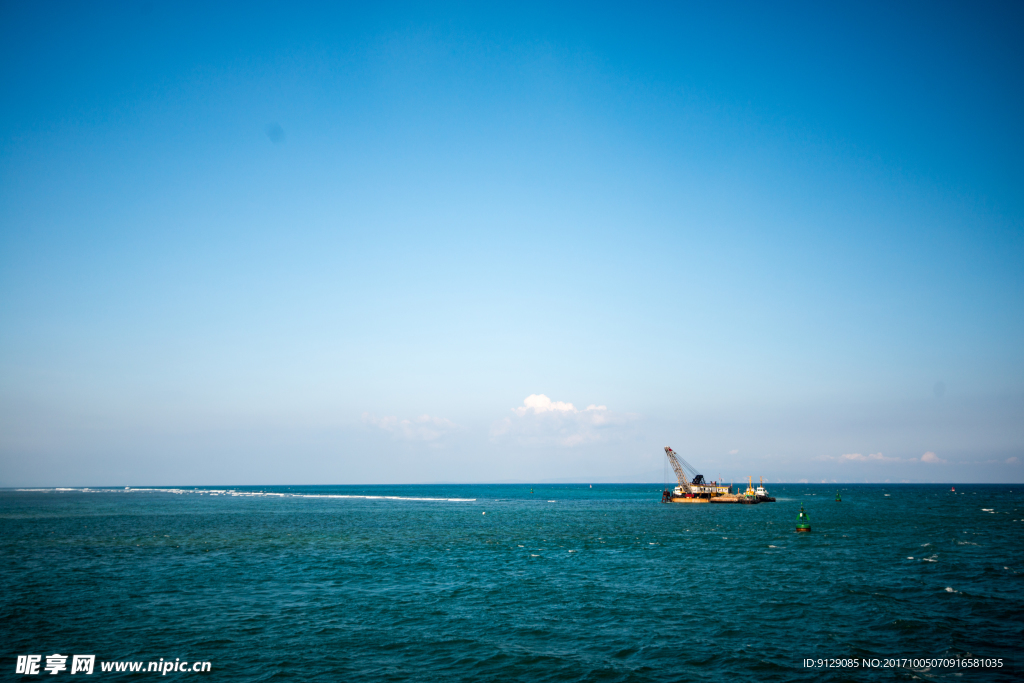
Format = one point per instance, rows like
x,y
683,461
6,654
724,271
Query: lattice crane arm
x,y
680,473
698,478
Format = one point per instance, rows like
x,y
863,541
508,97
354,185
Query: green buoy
x,y
803,522
838,497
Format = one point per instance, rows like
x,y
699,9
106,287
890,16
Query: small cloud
x,y
539,403
1011,461
275,132
802,481
422,428
734,451
932,458
541,420
857,457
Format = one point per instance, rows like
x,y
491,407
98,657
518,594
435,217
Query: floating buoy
x,y
803,522
953,489
838,497
483,513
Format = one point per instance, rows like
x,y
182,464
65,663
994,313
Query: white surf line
x,y
252,494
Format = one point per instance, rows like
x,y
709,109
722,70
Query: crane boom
x,y
698,478
680,473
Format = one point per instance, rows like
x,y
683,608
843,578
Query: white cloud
x,y
543,421
857,457
734,451
539,403
422,428
1011,461
928,457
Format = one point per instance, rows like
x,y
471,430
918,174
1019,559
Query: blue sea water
x,y
493,582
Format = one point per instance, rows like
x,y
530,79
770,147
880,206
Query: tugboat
x,y
803,522
749,496
762,494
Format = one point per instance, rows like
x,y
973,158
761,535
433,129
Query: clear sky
x,y
314,244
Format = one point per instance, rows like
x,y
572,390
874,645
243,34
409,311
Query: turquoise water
x,y
567,583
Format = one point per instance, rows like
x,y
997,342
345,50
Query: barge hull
x,y
718,500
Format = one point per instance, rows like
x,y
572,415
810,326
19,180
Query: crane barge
x,y
696,490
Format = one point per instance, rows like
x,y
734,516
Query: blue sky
x,y
271,244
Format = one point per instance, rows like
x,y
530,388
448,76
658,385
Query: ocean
x,y
513,583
